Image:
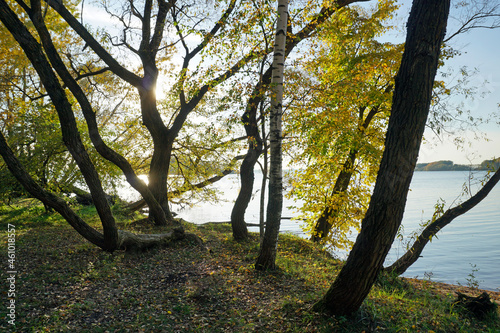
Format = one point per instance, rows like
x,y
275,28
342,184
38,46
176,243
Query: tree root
x,y
129,241
480,306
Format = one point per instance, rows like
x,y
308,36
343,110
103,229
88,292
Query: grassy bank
x,y
66,284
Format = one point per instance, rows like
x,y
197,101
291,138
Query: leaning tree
x,y
411,101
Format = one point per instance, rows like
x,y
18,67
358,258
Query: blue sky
x,y
480,50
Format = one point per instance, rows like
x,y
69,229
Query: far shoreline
x,y
446,165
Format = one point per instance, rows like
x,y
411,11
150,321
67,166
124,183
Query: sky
x,y
480,50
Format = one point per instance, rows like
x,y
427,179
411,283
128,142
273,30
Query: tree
x,y
151,47
155,194
187,93
308,25
338,121
341,205
411,101
267,252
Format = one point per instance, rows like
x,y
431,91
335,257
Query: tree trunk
x,y
71,136
47,198
264,178
325,221
411,256
238,225
268,247
247,177
411,101
82,197
162,142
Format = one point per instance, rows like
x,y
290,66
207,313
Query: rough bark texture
x,y
411,101
411,256
267,253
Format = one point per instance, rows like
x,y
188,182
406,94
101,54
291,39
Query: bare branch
x,y
208,36
477,15
114,66
94,73
163,10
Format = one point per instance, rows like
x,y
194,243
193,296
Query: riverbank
x,y
66,284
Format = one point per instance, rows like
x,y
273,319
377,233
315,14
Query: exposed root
x,y
479,306
129,241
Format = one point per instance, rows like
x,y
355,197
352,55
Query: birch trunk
x,y
267,253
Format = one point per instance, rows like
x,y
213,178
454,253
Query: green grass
x,y
66,284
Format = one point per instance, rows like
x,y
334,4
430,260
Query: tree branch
x,y
114,66
411,256
208,36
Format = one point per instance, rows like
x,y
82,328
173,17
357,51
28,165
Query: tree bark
x,y
268,247
411,101
411,256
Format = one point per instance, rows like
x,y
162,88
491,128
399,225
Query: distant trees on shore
x,y
450,166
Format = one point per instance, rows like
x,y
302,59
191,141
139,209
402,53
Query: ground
x,y
66,284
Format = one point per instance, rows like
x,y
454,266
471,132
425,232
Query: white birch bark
x,y
267,254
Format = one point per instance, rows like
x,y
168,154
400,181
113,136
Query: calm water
x,y
470,239
468,245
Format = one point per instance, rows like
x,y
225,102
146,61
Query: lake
x,y
469,245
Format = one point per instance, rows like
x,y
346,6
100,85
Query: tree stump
x,y
479,306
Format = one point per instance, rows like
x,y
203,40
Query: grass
x,y
66,284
